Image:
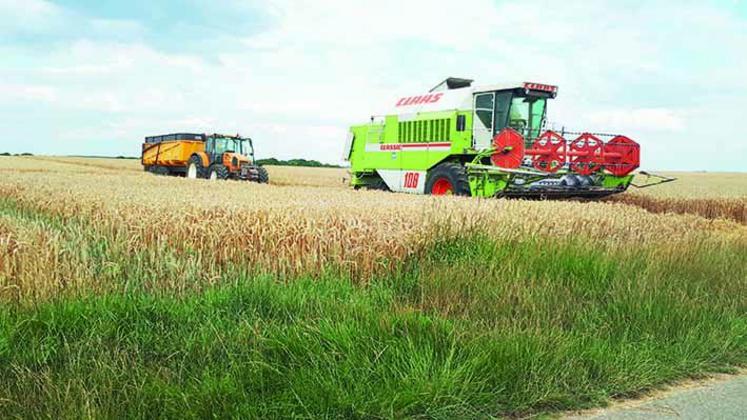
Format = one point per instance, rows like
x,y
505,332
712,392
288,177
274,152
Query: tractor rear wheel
x,y
218,171
448,178
263,176
194,168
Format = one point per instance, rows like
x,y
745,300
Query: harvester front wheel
x,y
448,178
218,172
194,168
263,176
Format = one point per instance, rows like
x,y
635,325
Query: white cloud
x,y
27,92
353,24
122,27
29,16
652,119
28,10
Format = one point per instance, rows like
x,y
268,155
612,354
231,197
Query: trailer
x,y
485,141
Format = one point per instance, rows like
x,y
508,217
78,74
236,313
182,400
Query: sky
x,y
94,77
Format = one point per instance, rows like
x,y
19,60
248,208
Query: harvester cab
x,y
486,141
522,109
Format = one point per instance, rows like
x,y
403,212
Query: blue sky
x,y
94,77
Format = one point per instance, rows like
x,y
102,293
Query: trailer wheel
x,y
263,176
194,168
448,178
218,171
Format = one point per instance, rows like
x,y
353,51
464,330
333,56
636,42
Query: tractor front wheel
x,y
194,168
218,171
448,178
262,176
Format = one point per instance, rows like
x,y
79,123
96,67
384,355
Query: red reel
x,y
509,149
585,154
548,152
621,156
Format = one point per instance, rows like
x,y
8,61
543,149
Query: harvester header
x,y
485,141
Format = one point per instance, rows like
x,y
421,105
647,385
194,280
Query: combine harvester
x,y
486,142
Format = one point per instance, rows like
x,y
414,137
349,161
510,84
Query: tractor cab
x,y
230,151
231,157
521,107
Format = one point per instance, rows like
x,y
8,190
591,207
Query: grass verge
x,y
472,327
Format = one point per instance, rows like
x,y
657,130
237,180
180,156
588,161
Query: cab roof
x,y
457,93
454,83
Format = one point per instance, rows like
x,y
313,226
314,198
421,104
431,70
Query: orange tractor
x,y
214,156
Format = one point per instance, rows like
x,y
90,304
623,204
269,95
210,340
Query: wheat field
x,y
296,229
709,195
687,185
274,300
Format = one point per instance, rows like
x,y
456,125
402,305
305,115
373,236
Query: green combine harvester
x,y
485,141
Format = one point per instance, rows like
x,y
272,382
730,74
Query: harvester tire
x,y
262,176
194,168
448,178
218,171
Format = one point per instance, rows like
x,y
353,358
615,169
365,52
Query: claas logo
x,y
417,100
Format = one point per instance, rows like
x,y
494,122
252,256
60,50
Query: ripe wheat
x,y
286,231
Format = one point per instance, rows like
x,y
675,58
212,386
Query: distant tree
x,y
270,161
25,154
5,154
295,162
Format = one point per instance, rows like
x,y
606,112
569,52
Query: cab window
x,y
484,109
223,145
526,115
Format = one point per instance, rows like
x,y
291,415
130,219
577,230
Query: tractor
x,y
488,141
214,156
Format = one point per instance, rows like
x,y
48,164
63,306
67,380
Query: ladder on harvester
x,y
375,133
